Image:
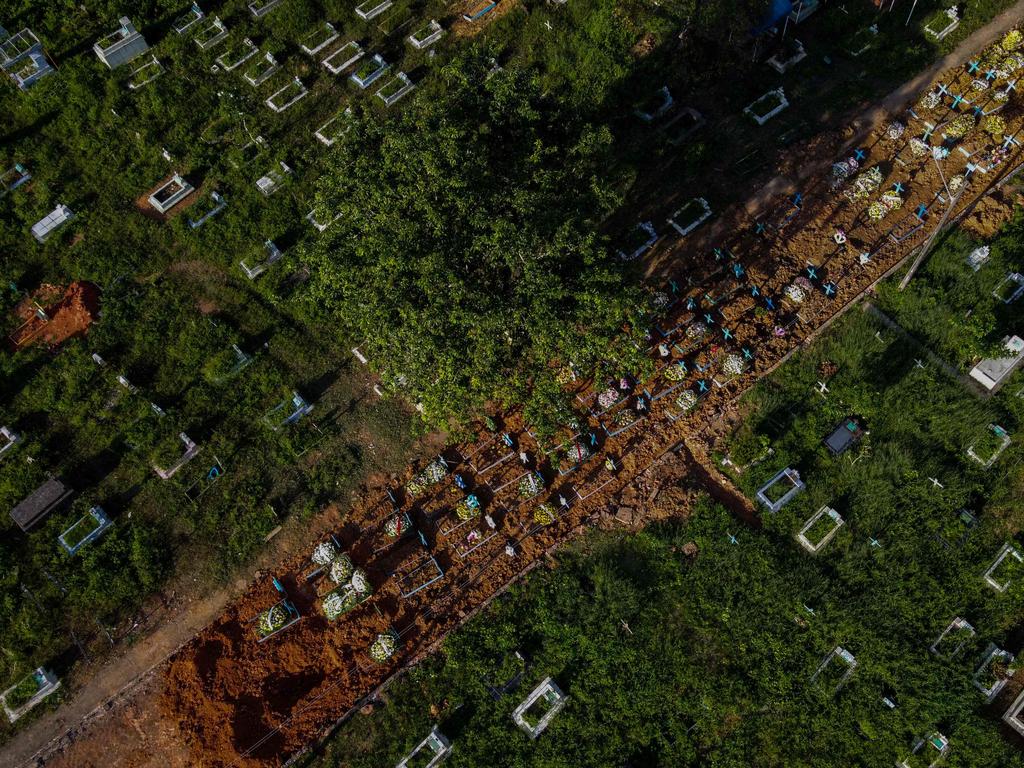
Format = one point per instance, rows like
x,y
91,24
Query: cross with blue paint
x,y
798,199
703,385
507,439
1009,141
732,539
957,101
811,273
1010,86
718,254
973,67
921,211
943,90
681,365
859,154
709,299
928,132
755,291
708,319
759,229
593,440
971,168
978,111
674,286
748,354
769,303
737,269
990,74
898,187
690,303
874,542
830,289
726,333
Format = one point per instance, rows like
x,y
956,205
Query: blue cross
x,y
748,354
460,482
690,303
971,168
943,90
859,154
990,74
798,199
874,542
507,439
957,100
755,291
830,289
898,187
709,299
974,67
760,227
921,211
423,540
682,365
769,303
674,286
593,440
732,539
718,254
708,319
978,111
737,269
703,385
811,273
700,367
726,333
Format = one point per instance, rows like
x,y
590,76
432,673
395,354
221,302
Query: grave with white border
x,y
690,216
766,107
170,193
188,19
319,38
23,59
994,450
1004,568
145,73
371,9
335,128
780,489
426,36
284,98
235,57
51,222
28,692
210,35
8,439
121,45
261,70
992,373
820,529
87,528
539,708
343,57
274,179
260,8
837,655
369,71
273,254
434,749
191,449
953,639
395,89
990,682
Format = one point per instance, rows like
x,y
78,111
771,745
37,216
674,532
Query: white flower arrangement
x,y
918,147
931,100
324,553
608,398
733,365
272,619
980,85
686,400
383,648
696,330
795,293
895,130
341,570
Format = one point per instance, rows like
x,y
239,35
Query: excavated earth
x,y
69,313
235,702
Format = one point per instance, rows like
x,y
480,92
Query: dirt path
x,y
895,103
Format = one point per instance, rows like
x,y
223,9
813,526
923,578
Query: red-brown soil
x,y
69,312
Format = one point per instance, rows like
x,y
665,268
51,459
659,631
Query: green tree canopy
x,y
465,258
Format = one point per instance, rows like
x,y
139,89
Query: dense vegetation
x,y
674,658
953,308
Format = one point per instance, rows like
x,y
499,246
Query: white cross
x,y
822,389
936,483
878,335
919,363
548,25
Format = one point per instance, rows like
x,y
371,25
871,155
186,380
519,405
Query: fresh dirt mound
x,y
51,315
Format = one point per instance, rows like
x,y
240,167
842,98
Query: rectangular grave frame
x,y
274,179
426,36
837,446
560,448
101,523
300,407
1012,278
678,137
1005,551
1012,715
295,83
845,657
294,617
1005,441
686,227
364,81
211,35
970,522
10,439
436,744
797,486
479,471
935,740
375,9
937,35
274,254
958,624
187,20
120,46
992,373
667,102
329,139
269,69
205,481
134,84
178,190
315,37
837,523
43,229
237,59
219,204
553,697
464,547
260,8
519,478
777,93
480,9
47,683
405,85
404,576
783,66
613,428
311,218
641,248
988,656
803,9
673,385
20,176
352,49
676,411
191,449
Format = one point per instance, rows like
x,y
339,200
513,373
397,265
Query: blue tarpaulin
x,y
777,12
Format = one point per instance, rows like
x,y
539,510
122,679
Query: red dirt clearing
x,y
65,314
